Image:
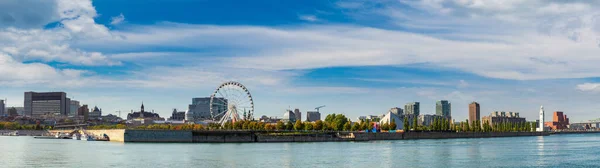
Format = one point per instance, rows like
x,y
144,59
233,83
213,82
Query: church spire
x,y
142,106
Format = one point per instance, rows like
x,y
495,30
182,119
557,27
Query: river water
x,y
582,150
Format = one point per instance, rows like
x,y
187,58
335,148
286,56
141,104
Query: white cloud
x,y
117,19
462,84
310,18
589,87
15,73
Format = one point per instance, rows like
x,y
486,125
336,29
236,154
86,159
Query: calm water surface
x,y
551,151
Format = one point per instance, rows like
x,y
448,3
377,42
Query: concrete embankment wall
x,y
157,136
116,135
301,138
122,135
25,132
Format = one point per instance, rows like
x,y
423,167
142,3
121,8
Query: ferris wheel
x,y
229,101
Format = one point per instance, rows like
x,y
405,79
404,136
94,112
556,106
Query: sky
x,y
356,57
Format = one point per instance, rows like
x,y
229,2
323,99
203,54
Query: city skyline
x,y
355,57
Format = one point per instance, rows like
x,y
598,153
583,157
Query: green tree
x,y
415,124
355,127
299,125
318,125
289,126
405,125
347,126
363,125
393,125
308,126
280,125
385,126
467,128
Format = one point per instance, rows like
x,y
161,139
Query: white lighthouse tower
x,y
541,123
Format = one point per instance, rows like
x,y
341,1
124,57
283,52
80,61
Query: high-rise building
x,y
289,116
442,108
36,104
412,108
298,114
200,107
74,107
84,112
2,108
398,111
312,116
474,112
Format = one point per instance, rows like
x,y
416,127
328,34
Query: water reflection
x,y
540,151
549,151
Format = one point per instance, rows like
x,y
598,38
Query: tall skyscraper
x,y
412,108
474,112
74,107
36,104
2,108
312,116
298,114
442,108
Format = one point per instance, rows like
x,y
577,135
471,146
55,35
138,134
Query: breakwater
x,y
125,135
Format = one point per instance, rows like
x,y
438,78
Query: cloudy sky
x,y
355,57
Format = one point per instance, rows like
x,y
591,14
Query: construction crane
x,y
317,108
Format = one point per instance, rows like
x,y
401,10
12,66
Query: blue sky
x,y
356,57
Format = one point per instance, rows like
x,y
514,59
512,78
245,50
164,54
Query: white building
x,y
541,122
389,117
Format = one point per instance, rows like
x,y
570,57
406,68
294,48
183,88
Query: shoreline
x,y
178,136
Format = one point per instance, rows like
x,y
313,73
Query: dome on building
x,y
189,116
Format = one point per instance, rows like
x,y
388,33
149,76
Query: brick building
x,y
559,121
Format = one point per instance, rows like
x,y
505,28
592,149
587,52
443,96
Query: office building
x,y
442,108
474,112
427,119
312,116
83,112
177,115
74,107
298,114
289,116
559,121
96,113
412,108
2,108
200,107
37,104
398,111
496,118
